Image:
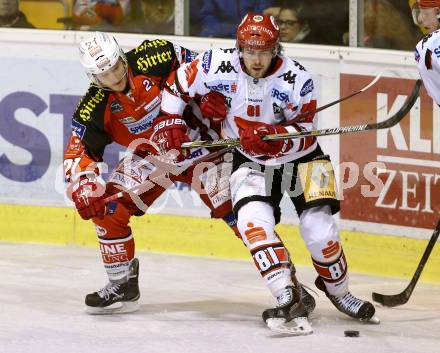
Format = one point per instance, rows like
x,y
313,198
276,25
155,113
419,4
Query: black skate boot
x,y
307,299
116,297
350,305
290,310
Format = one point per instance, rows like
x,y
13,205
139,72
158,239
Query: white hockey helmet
x,y
99,53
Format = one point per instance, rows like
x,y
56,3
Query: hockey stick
x,y
328,105
177,170
403,297
393,120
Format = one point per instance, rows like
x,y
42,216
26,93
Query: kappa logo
x,y
226,67
228,101
289,77
299,66
228,51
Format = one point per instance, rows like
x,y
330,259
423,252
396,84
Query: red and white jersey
x,y
428,62
279,97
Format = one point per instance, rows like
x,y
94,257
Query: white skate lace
x,y
108,290
304,293
350,303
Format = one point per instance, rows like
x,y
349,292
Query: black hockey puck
x,y
350,333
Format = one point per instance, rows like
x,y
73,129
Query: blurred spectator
x,y
220,18
195,16
149,16
10,16
104,15
328,21
313,21
386,27
274,10
293,26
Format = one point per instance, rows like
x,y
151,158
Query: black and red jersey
x,y
103,116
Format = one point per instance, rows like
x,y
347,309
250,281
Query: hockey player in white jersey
x,y
427,50
426,14
264,91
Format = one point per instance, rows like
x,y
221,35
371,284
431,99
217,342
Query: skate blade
x,y
299,326
372,320
116,308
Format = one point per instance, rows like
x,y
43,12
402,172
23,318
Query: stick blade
x,y
390,300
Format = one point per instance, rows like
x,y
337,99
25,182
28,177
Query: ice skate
x,y
290,316
116,298
307,299
348,304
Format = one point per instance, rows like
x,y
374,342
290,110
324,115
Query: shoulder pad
x,y
222,61
156,57
92,105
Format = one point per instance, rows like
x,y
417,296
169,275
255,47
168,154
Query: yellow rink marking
x,y
366,253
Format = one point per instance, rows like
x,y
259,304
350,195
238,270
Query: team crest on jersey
x,y
78,129
206,61
307,88
116,107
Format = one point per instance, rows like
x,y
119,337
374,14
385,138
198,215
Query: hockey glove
x,y
250,140
213,106
88,195
169,132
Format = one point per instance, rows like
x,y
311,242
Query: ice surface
x,y
188,305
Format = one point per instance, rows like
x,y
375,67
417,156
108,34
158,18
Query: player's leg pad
x,y
116,298
290,316
348,304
